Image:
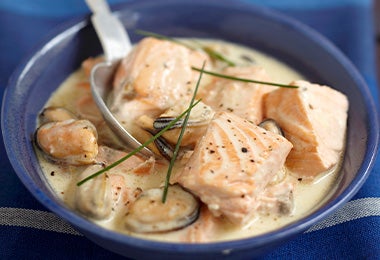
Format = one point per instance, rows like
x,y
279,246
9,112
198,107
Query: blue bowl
x,y
305,50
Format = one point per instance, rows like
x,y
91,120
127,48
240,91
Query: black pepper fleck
x,y
244,150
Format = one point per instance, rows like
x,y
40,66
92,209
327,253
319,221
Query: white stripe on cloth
x,y
35,219
352,210
355,209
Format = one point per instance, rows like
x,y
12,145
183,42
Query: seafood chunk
x,y
156,75
87,109
200,116
88,64
241,98
271,125
52,114
314,120
203,229
232,165
103,194
277,199
113,191
70,141
148,214
135,164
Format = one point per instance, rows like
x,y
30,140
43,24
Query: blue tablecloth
x,y
29,231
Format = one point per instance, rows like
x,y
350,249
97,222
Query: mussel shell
x,y
162,122
148,214
69,142
93,198
271,125
165,149
54,114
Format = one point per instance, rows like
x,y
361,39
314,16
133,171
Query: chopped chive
x,y
218,56
242,79
176,149
138,149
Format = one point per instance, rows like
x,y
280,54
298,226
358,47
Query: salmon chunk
x,y
278,199
241,98
314,119
203,229
156,75
232,165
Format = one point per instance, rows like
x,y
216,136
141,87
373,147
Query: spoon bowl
x,y
116,45
101,81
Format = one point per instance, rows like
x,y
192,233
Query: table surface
x,y
355,239
377,21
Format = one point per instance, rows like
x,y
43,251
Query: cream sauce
x,y
307,196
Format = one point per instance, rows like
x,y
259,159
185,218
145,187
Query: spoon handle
x,y
112,34
98,6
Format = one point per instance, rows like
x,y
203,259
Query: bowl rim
x,y
302,224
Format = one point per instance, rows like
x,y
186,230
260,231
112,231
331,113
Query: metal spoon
x,y
116,45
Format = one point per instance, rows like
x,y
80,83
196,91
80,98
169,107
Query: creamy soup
x,y
213,221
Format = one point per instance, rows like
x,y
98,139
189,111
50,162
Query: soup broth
x,y
63,178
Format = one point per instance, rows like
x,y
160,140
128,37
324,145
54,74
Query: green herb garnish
x,y
176,149
212,53
241,79
217,56
138,149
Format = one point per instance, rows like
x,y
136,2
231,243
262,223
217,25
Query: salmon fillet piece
x,y
278,199
203,229
89,64
241,98
134,164
232,165
158,74
314,120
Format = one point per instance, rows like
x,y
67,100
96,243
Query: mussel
x,y
99,196
148,214
200,115
164,147
92,198
70,141
54,114
271,125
